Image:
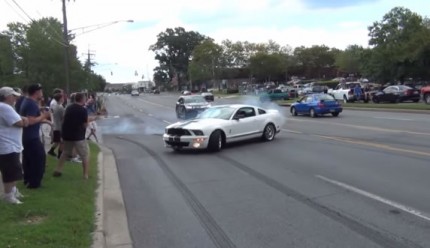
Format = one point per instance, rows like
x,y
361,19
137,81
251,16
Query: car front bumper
x,y
185,142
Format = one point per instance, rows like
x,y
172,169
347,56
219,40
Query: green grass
x,y
60,214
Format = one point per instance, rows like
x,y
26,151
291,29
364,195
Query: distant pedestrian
x,y
57,112
73,131
93,131
11,124
33,156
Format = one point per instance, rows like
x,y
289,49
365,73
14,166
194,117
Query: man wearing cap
x,y
33,156
11,124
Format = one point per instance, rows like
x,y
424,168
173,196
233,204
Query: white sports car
x,y
222,124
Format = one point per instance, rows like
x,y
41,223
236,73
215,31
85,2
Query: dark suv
x,y
190,106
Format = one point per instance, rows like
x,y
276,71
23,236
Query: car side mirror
x,y
238,117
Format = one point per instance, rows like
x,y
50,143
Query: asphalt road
x,y
359,180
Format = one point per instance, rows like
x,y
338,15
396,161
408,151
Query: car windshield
x,y
194,99
217,113
324,98
404,87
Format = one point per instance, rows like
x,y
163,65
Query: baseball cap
x,y
33,88
7,91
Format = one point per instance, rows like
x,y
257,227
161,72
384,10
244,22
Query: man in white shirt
x,y
11,124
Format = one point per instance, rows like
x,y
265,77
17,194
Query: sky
x,y
120,49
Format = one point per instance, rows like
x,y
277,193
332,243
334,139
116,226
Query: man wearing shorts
x,y
73,131
11,124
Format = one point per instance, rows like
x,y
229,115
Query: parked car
x,y
190,106
425,94
186,93
316,104
208,96
395,94
223,124
274,95
156,91
345,92
135,93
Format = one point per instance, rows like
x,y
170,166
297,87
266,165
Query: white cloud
x,y
122,48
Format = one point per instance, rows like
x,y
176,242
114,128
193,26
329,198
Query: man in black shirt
x,y
73,131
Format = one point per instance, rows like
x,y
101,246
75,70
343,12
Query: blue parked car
x,y
316,104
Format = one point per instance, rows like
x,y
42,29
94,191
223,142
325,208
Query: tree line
x,y
399,49
34,53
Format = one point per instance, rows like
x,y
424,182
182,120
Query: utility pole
x,y
88,65
66,49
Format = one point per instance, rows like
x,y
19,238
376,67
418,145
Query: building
x,y
143,85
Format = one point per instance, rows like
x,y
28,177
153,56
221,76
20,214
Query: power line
x,y
29,17
16,12
33,21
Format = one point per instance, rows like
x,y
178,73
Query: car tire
x,y
215,141
375,99
416,100
269,132
312,113
335,114
293,111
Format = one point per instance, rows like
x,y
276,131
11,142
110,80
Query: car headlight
x,y
198,132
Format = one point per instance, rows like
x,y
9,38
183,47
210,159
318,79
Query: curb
x,y
412,111
111,218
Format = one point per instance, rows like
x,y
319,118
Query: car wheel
x,y
269,132
215,141
416,100
427,98
293,111
312,113
375,99
335,114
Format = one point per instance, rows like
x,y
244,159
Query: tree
x,y
206,62
6,57
315,59
265,66
37,54
173,50
350,60
398,42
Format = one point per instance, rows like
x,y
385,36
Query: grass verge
x,y
60,214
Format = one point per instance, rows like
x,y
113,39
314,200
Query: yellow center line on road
x,y
375,145
366,127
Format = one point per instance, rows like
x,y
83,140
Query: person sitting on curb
x,y
11,124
